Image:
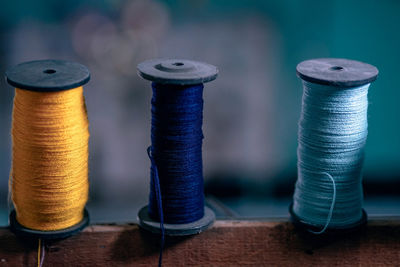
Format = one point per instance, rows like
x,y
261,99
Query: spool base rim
x,y
302,225
183,229
22,231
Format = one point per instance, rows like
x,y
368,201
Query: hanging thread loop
x,y
328,220
155,181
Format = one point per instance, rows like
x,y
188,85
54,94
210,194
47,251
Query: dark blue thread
x,y
176,184
156,186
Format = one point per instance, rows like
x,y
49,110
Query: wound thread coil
x,y
332,134
176,153
49,175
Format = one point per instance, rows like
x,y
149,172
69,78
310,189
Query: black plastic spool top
x,y
179,72
341,73
337,72
47,76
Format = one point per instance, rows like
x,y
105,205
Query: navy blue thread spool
x,y
47,76
341,74
172,75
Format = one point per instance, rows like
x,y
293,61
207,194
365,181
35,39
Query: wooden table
x,y
227,243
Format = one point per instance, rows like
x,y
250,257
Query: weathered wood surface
x,y
227,243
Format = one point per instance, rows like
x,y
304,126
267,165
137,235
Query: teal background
x,y
255,44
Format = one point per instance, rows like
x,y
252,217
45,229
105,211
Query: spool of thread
x,y
49,175
332,134
176,203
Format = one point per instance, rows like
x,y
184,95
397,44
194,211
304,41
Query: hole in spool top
x,y
336,68
49,71
178,64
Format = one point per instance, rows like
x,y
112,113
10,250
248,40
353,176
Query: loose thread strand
x,y
156,184
328,220
38,255
41,252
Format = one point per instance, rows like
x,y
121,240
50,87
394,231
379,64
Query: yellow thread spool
x,y
49,177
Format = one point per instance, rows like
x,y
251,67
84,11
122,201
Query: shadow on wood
x,y
227,243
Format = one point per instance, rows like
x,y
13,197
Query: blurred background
x,y
251,110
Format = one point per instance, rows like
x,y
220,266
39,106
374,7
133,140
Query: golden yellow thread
x,y
38,254
49,175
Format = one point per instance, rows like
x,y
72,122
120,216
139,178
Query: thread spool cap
x,y
337,72
24,232
177,71
48,75
176,229
305,226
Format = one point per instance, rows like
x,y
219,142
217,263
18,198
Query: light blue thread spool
x,y
332,134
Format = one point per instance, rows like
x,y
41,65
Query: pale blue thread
x,y
328,220
332,135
